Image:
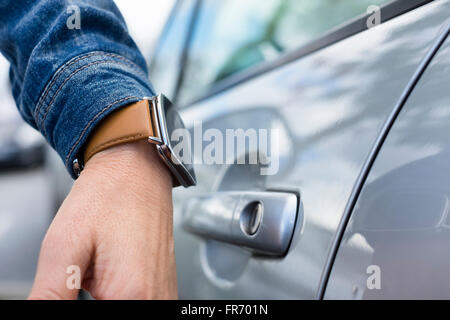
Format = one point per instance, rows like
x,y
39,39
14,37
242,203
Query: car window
x,y
233,35
165,65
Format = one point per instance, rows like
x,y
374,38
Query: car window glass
x,y
165,65
233,35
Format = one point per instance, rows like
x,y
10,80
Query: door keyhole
x,y
251,217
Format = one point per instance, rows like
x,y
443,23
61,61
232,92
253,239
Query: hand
x,y
116,225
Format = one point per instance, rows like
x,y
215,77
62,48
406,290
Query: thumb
x,y
63,261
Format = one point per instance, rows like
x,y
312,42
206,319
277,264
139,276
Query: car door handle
x,y
263,222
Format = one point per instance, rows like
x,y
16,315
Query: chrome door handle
x,y
263,222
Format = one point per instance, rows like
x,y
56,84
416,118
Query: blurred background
x,y
30,172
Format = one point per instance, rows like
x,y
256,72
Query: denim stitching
x,y
47,110
70,63
64,68
92,120
41,123
55,78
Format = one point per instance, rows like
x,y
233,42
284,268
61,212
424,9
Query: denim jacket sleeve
x,y
72,63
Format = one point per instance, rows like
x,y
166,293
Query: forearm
x,y
65,81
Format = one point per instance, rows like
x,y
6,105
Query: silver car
x,y
357,92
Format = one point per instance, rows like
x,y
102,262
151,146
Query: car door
x,y
320,85
395,244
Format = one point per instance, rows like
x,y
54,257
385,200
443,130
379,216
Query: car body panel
x,y
400,223
26,210
329,108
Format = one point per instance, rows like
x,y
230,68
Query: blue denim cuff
x,y
81,93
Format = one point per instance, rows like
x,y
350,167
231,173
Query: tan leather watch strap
x,y
131,123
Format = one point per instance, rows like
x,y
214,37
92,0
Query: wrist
x,y
152,120
135,166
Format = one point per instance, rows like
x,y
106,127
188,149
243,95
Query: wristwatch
x,y
152,119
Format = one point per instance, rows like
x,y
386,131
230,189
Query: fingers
x,y
63,260
133,261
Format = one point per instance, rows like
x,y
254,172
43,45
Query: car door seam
x,y
372,156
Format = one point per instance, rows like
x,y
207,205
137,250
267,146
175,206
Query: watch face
x,y
180,162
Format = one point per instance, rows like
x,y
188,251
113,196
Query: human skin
x,y
116,224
